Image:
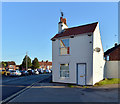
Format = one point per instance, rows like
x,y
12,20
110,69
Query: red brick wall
x,y
115,55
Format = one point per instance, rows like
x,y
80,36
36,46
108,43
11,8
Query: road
x,y
12,85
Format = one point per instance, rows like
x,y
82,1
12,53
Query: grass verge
x,y
71,86
108,81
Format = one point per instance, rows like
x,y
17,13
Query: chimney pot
x,y
63,20
115,44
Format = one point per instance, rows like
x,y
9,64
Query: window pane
x,y
67,75
64,70
64,43
63,51
64,67
64,47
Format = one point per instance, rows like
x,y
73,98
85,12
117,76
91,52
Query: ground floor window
x,y
64,70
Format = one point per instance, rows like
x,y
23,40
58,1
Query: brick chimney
x,y
62,24
63,20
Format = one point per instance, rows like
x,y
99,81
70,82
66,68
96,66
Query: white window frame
x,y
64,70
63,47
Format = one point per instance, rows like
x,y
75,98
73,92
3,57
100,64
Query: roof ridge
x,y
82,25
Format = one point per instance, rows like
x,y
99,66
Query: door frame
x,y
77,72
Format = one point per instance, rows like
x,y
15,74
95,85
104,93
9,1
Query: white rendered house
x,y
77,54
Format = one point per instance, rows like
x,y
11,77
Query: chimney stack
x,y
63,20
115,44
62,24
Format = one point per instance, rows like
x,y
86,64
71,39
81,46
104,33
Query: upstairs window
x,y
64,47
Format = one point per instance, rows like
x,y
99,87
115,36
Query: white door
x,y
81,74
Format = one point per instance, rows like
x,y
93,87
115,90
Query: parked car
x,y
33,71
42,71
15,73
48,71
30,72
24,72
36,71
39,70
7,72
3,71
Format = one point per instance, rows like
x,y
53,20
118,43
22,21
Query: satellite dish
x,y
97,49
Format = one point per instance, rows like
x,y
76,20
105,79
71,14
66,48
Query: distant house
x,y
112,65
17,66
45,65
11,65
113,54
77,54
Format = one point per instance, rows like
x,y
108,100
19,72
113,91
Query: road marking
x,y
21,91
49,87
12,86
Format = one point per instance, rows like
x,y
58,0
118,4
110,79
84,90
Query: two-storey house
x,y
77,54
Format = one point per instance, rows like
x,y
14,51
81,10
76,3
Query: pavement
x,y
55,92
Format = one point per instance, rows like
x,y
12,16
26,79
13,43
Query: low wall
x,y
112,69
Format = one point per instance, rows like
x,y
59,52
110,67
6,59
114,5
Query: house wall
x,y
98,57
111,69
115,55
13,67
80,52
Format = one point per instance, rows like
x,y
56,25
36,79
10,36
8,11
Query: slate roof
x,y
88,28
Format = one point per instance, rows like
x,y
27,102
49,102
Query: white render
x,y
81,51
61,27
98,57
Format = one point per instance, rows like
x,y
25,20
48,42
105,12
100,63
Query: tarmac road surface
x,y
12,85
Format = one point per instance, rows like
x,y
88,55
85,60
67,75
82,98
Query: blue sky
x,y
29,26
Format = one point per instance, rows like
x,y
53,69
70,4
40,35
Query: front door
x,y
81,74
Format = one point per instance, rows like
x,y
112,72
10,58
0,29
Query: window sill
x,y
62,78
65,55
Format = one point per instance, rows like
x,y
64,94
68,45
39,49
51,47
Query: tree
x,y
29,64
20,67
4,64
35,63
